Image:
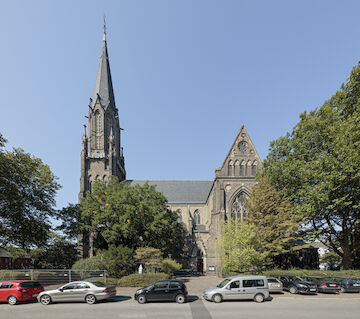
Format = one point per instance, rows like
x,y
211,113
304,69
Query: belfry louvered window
x,y
98,128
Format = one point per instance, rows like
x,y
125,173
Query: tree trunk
x,y
347,259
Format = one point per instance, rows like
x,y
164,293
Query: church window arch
x,y
248,168
254,168
179,217
230,168
236,168
197,217
242,168
238,207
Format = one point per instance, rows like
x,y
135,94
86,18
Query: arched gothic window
x,y
179,218
230,168
248,168
242,168
254,168
97,122
238,207
196,217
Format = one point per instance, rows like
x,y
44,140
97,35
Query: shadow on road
x,y
116,299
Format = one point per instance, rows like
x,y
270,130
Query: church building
x,y
203,205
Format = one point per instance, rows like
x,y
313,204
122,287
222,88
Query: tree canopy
x,y
133,216
278,227
239,247
27,198
318,167
68,216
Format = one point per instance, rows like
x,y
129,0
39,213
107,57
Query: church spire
x,y
103,90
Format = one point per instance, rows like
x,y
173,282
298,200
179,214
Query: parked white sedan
x,y
88,291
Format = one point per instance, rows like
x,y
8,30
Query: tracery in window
x,y
238,207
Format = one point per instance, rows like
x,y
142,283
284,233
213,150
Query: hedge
x,y
141,280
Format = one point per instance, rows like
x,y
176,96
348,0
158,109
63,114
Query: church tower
x,y
102,155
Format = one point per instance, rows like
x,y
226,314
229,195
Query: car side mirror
x,y
61,289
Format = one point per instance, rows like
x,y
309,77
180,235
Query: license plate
x,y
356,285
332,285
312,289
35,295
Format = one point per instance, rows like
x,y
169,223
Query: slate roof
x,y
180,192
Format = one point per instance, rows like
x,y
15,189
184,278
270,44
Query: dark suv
x,y
166,290
295,285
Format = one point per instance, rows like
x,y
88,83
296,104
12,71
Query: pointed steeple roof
x,y
103,89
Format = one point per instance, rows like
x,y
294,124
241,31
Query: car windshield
x,y
223,283
98,283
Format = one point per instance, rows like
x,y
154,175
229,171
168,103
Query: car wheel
x,y
45,300
12,300
259,298
141,299
293,290
217,298
342,289
90,299
180,298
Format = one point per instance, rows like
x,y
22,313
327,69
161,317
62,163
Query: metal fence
x,y
48,277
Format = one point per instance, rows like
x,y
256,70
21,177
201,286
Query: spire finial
x,y
104,37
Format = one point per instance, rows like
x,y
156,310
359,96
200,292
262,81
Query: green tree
x,y
169,266
27,198
59,253
117,261
150,257
239,247
332,259
68,216
277,226
317,166
133,216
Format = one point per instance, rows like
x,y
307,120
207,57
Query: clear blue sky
x,y
186,74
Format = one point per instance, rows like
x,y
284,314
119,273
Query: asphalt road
x,y
281,306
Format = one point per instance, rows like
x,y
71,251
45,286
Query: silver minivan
x,y
239,287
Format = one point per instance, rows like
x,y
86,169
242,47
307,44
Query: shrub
x,y
150,257
92,263
117,261
169,266
14,275
141,280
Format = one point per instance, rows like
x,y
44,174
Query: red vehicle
x,y
13,291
